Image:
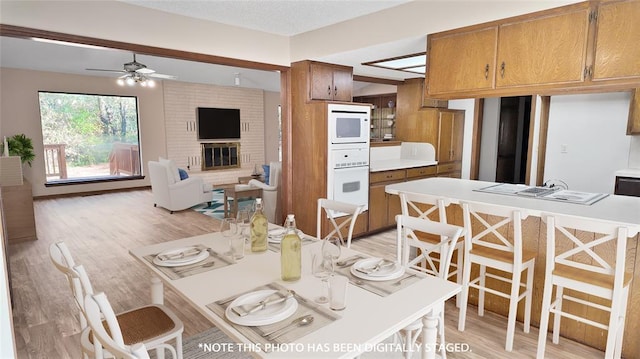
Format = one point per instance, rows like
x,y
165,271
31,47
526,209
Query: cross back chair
x,y
488,247
407,241
152,325
63,261
578,262
100,316
434,208
340,215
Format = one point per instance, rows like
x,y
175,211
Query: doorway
x,y
513,139
504,139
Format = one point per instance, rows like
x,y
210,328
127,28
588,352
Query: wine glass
x,y
243,220
229,229
331,249
321,268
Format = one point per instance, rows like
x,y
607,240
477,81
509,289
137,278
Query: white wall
x,y
587,140
468,106
7,343
489,141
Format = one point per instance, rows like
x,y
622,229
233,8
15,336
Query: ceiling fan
x,y
136,72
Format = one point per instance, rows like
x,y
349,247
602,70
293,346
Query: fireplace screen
x,y
216,156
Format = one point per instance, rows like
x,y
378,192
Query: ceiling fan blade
x,y
145,71
118,71
162,76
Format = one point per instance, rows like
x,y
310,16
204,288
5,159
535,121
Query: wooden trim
x,y
287,151
27,33
377,80
93,193
545,104
478,111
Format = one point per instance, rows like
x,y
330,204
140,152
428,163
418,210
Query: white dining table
x,y
362,327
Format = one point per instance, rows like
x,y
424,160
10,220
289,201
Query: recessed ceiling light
x,y
414,63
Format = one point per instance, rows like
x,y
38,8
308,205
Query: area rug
x,y
216,209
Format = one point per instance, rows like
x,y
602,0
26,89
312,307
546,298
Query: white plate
x,y
276,235
269,315
386,273
176,262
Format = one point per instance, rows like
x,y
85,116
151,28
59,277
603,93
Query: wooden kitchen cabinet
x,y
616,50
330,82
545,50
382,206
461,61
450,138
588,46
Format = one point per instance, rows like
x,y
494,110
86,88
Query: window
x,y
89,138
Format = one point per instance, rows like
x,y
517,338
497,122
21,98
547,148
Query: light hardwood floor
x,y
100,229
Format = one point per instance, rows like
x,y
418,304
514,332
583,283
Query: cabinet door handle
x,y
329,90
486,72
335,91
502,66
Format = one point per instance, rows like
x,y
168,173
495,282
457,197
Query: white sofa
x,y
271,193
172,193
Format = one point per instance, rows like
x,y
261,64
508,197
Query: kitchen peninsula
x,y
622,210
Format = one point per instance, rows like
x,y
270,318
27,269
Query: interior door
x,y
513,139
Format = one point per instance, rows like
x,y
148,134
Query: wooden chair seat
x,y
142,324
597,279
502,256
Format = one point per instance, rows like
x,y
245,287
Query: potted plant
x,y
21,145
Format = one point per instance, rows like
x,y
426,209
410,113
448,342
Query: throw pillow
x,y
265,168
183,174
173,169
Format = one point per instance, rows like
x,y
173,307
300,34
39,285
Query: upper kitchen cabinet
x,y
544,50
461,61
328,82
589,46
617,41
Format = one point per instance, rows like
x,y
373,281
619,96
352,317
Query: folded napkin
x,y
184,254
277,297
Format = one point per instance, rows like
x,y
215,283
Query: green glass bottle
x,y
259,225
290,254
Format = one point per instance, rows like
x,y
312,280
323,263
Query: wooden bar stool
x,y
488,247
592,264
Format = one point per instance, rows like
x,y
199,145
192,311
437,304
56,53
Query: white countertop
x,y
618,209
398,163
629,172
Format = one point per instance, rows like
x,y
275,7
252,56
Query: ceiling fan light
x,y
120,82
151,83
130,81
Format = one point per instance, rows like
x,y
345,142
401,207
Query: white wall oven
x,y
348,154
349,124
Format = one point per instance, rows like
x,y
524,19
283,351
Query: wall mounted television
x,y
218,123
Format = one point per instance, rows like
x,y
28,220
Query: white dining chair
x,y
593,264
101,318
340,215
434,208
416,254
63,261
486,245
152,325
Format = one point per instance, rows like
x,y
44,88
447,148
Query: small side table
x,y
246,179
237,194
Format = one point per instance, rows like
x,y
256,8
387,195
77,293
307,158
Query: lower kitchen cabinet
x,y
384,207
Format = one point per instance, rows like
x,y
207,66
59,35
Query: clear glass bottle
x,y
259,225
290,253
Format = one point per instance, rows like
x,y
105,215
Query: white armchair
x,y
271,193
172,193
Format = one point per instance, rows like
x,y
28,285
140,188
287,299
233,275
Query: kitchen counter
x,y
396,164
406,155
629,172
